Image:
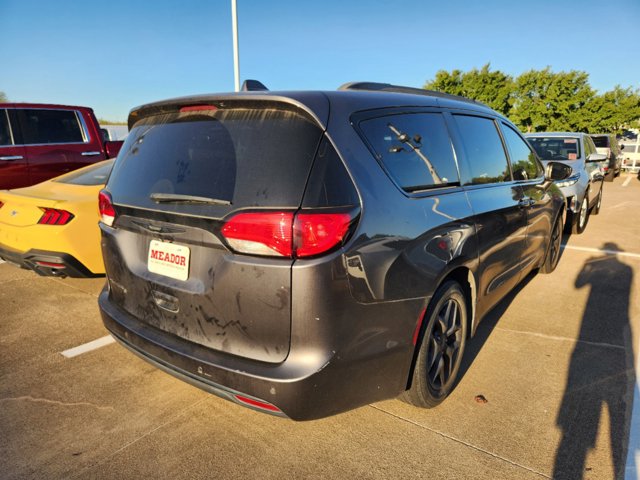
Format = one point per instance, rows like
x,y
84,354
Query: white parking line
x,y
626,182
87,347
600,250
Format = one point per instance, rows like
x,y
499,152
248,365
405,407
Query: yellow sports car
x,y
52,227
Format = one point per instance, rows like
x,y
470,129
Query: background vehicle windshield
x,y
556,148
601,142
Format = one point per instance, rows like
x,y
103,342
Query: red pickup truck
x,y
39,142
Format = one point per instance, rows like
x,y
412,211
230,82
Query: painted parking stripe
x,y
601,250
626,182
87,347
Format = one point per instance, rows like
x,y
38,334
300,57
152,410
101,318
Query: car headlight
x,y
569,181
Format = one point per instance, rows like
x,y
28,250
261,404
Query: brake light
x,y
105,205
53,216
199,108
269,233
286,234
316,233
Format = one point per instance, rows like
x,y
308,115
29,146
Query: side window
x,y
414,148
40,126
5,131
483,150
523,161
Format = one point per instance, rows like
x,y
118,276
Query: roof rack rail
x,y
387,87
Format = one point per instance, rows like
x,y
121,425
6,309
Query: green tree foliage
x,y
493,88
543,100
3,97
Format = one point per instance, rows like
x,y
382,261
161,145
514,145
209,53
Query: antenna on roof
x,y
253,86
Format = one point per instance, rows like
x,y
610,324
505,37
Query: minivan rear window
x,y
249,157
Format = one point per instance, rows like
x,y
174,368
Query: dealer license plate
x,y
169,259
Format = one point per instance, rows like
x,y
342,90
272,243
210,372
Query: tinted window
x,y
94,175
601,142
483,150
250,157
414,148
49,126
523,161
5,133
556,148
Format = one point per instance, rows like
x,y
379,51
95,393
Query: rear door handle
x,y
89,154
9,158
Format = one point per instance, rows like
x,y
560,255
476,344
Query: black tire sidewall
x,y
447,291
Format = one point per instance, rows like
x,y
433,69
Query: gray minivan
x,y
305,253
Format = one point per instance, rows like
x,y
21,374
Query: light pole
x,y
236,53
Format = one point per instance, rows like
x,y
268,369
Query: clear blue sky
x,y
116,54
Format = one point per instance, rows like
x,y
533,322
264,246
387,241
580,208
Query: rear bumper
x,y
46,263
301,388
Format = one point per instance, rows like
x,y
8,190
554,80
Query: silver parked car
x,y
583,189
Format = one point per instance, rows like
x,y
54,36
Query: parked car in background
x,y
583,189
40,141
305,253
607,144
52,227
630,157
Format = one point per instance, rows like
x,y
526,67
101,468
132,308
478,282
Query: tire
x,y
552,257
580,219
596,209
441,348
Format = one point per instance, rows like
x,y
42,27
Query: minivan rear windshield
x,y
556,148
243,157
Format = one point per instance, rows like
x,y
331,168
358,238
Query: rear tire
x,y
596,209
579,220
441,349
553,252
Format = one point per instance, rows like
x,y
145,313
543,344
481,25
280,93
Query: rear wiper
x,y
178,198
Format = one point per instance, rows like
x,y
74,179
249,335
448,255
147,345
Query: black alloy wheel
x,y
442,347
596,209
555,247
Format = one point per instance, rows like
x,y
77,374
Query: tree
x,y
3,97
614,110
493,88
547,101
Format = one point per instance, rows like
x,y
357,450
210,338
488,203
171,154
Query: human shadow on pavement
x,y
601,375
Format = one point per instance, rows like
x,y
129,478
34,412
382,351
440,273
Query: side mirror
x,y
556,171
622,146
112,148
597,157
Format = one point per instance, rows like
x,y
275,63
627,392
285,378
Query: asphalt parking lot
x,y
556,362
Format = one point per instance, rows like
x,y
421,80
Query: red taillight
x,y
107,212
286,234
199,108
1,204
269,233
53,216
